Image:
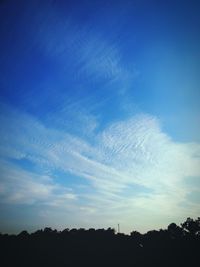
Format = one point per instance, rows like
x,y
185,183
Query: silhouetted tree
x,y
23,234
175,231
192,226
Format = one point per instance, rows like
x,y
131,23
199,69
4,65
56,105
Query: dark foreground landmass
x,y
175,246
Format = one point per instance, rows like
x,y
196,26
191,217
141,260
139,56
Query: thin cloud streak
x,y
86,54
19,186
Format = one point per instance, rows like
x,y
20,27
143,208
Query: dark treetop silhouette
x,y
175,246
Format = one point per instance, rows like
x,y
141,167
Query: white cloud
x,y
24,187
131,166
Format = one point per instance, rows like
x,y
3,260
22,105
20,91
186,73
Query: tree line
x,y
174,246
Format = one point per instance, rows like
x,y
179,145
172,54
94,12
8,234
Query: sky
x,y
99,114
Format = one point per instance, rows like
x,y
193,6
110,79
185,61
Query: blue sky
x,y
99,114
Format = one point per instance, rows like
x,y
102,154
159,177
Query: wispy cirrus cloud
x,y
129,166
83,52
20,186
